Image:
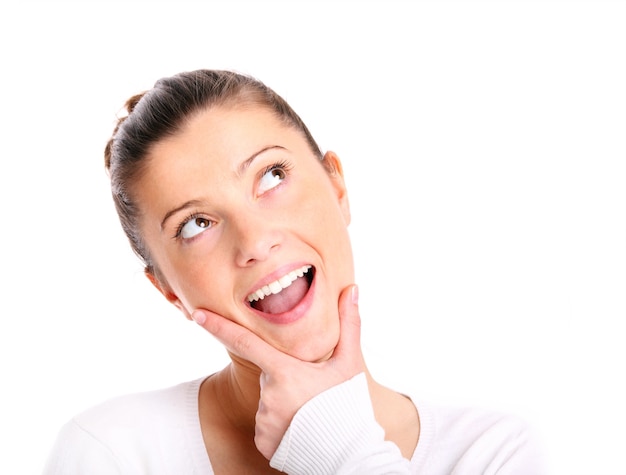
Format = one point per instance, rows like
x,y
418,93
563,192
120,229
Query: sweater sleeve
x,y
336,433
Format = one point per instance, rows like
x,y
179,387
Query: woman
x,y
241,222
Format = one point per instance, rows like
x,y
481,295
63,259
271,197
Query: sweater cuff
x,y
328,429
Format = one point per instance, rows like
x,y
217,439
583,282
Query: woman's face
x,y
236,206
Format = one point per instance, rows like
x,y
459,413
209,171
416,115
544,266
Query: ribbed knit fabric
x,y
336,433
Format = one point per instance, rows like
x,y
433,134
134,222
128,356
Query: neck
x,y
234,392
237,390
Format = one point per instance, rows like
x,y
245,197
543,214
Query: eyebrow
x,y
246,163
240,170
172,212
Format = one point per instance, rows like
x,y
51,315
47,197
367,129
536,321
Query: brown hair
x,y
161,112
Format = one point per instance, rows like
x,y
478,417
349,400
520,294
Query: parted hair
x,y
162,111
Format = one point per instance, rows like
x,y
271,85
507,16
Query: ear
x,y
165,290
335,171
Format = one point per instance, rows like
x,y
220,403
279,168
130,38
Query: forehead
x,y
224,133
207,154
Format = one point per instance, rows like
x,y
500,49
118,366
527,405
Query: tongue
x,y
286,299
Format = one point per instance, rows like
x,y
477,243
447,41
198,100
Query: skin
x,y
253,227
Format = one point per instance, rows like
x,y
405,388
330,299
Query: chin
x,y
315,348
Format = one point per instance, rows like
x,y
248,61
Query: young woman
x,y
241,222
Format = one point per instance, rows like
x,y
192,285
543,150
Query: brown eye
x,y
202,222
195,226
272,178
279,173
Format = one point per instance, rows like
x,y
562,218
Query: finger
x,y
241,341
349,344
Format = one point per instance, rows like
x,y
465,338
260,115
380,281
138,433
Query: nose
x,y
255,239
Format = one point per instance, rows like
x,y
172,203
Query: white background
x,y
484,148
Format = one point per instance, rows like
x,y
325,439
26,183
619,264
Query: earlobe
x,y
167,293
335,170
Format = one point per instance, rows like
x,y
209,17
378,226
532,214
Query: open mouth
x,y
284,294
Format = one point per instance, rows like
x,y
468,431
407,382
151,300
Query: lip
x,y
295,313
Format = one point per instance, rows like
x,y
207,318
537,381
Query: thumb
x,y
349,345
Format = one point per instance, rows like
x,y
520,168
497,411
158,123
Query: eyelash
x,y
189,217
283,165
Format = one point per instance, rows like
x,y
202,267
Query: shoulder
x,y
145,410
469,438
127,432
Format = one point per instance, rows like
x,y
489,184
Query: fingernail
x,y
198,317
355,294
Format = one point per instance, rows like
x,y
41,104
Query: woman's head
x,y
161,112
225,195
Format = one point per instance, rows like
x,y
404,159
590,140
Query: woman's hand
x,y
287,383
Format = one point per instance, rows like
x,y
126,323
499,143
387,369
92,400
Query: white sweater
x,y
158,433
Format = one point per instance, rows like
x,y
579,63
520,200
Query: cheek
x,y
194,285
202,290
340,249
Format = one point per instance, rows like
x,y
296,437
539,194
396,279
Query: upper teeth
x,y
278,285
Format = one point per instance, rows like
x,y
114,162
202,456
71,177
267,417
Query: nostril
x,y
253,237
254,252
